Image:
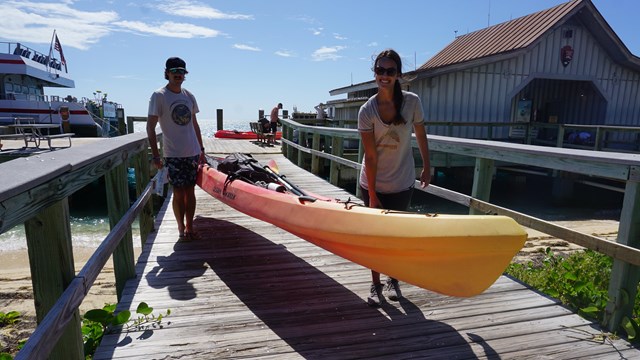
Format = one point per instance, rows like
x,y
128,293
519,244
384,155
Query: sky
x,y
247,55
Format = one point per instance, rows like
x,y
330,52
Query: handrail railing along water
x,y
624,167
34,192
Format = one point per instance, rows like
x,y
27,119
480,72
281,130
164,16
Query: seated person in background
x,y
265,125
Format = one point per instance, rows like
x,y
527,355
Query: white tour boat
x,y
25,72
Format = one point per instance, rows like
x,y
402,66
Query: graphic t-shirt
x,y
174,111
396,167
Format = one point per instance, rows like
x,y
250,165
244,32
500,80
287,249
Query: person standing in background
x,y
175,109
385,124
274,118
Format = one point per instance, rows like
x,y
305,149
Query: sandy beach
x,y
16,292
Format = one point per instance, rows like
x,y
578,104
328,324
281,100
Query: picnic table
x,y
35,133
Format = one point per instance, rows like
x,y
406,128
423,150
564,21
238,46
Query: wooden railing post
x,y
560,139
52,270
337,150
302,141
142,179
527,132
623,285
315,159
598,144
285,135
219,119
118,204
289,150
483,176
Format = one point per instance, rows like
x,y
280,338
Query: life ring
x,y
64,115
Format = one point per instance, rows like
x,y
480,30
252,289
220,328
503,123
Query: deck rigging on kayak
x,y
244,167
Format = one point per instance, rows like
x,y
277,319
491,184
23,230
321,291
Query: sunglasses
x,y
379,70
180,71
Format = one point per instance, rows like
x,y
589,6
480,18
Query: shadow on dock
x,y
314,314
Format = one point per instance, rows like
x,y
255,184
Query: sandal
x,y
190,235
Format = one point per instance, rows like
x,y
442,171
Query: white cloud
x,y
327,53
373,44
338,36
305,18
316,31
169,29
126,77
34,23
198,10
245,47
285,53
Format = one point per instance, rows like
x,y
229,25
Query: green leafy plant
x,y
98,322
9,318
580,281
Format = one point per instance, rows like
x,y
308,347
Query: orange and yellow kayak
x,y
456,255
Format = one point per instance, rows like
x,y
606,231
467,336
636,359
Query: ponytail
x,y
398,99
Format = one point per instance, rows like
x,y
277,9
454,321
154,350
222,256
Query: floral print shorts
x,y
182,171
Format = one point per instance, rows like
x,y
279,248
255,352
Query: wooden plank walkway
x,y
228,146
245,289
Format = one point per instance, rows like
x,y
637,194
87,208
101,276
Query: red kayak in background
x,y
235,134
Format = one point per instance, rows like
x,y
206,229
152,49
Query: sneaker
x,y
375,297
392,289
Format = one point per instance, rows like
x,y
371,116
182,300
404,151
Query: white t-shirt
x,y
396,167
174,111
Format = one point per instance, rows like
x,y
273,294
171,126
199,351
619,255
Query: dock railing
x,y
34,191
616,138
623,167
600,137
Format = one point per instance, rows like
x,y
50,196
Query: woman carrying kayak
x,y
385,124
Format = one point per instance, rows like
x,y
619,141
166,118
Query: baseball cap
x,y
175,63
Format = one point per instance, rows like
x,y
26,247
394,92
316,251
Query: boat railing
x,y
37,196
104,124
29,53
485,154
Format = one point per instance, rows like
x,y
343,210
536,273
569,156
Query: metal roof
x,y
502,38
505,39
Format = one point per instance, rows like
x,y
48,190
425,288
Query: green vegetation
x,y
9,318
98,322
580,281
95,324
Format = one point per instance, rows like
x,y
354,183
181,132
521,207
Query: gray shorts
x,y
182,171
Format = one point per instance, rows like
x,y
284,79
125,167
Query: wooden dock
x,y
245,288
